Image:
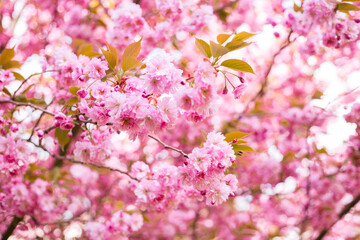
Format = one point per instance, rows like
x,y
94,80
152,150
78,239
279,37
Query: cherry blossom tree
x,y
179,119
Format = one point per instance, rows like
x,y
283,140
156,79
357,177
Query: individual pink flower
x,y
82,93
137,221
5,78
161,74
239,90
96,68
139,169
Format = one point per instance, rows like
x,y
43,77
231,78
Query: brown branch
x,y
194,226
168,147
343,212
264,84
59,221
83,163
9,231
28,105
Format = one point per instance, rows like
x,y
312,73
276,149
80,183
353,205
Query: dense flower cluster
x,y
323,24
206,167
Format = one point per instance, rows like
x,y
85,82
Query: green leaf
x,y
11,64
317,94
235,135
109,58
350,0
242,36
21,98
235,45
146,219
112,56
101,23
70,112
77,42
297,8
37,101
132,50
346,7
217,50
221,38
321,150
244,148
6,56
18,76
237,65
86,49
238,41
71,101
62,137
114,51
129,63
6,91
203,47
73,90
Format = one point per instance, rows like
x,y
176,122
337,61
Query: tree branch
x,y
60,221
84,163
194,226
11,227
28,105
343,212
262,90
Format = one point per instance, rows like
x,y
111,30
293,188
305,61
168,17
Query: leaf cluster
x,y
217,50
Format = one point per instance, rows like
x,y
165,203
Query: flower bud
x,y
225,90
14,128
40,133
66,125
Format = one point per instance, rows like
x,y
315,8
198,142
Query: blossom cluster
x,y
206,167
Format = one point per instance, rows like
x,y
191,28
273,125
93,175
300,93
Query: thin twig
x,y
150,136
32,75
168,147
38,121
